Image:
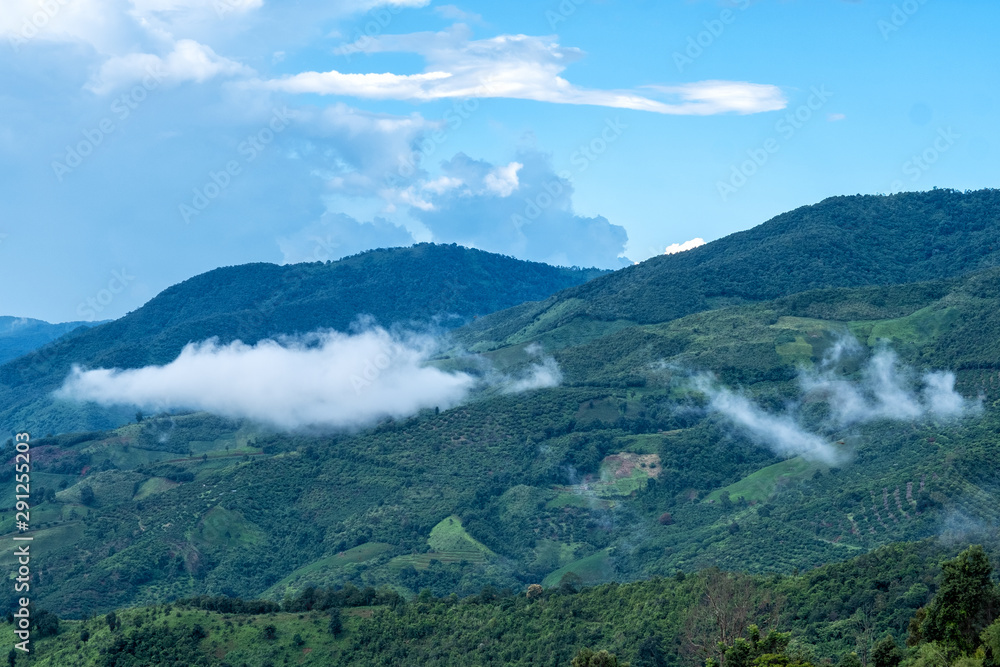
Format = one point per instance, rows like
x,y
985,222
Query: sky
x,y
145,141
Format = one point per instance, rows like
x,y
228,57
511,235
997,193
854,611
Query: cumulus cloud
x,y
781,433
337,235
325,380
675,248
187,61
522,209
519,67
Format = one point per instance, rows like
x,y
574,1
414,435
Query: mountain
x,y
20,335
446,285
669,445
621,473
840,242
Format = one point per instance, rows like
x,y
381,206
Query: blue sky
x,y
145,141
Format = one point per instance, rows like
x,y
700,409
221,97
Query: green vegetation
x,y
426,534
903,604
425,283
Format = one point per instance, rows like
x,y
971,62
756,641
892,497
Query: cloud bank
x,y
329,380
326,380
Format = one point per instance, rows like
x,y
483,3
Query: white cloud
x,y
324,380
675,248
188,61
328,380
454,13
886,389
519,67
479,209
540,374
706,98
502,181
781,433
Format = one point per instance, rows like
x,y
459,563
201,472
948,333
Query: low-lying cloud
x,y
540,374
325,380
884,390
781,433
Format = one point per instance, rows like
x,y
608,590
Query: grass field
x,y
325,570
593,569
760,485
449,543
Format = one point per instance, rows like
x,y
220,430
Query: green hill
x,y
840,242
444,285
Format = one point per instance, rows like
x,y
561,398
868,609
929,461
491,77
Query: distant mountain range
x,y
20,335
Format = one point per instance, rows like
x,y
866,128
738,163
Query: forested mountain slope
x,y
446,285
621,473
848,241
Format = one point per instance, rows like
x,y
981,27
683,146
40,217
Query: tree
x,y
588,658
336,622
964,605
269,632
886,653
650,653
991,645
46,623
849,659
87,495
112,620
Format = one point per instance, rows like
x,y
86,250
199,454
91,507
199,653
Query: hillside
x,y
840,242
831,613
20,335
422,285
622,473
